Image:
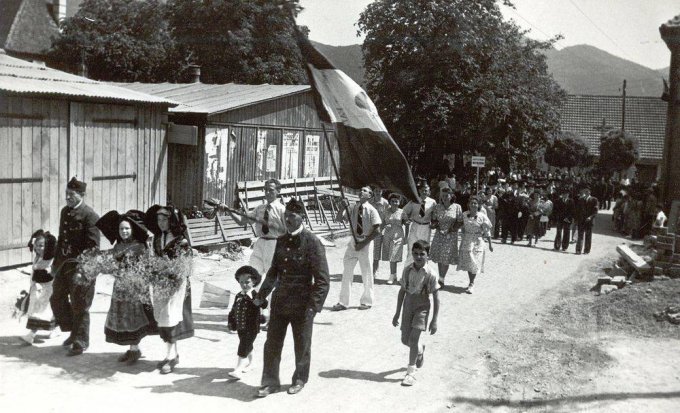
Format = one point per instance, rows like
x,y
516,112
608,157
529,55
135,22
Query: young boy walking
x,y
418,282
244,317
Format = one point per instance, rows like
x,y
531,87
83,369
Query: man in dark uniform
x,y
586,209
563,213
72,295
508,208
300,271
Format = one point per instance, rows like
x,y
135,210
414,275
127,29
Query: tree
x,y
450,76
244,41
568,150
618,151
119,40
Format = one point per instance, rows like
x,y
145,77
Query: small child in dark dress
x,y
245,317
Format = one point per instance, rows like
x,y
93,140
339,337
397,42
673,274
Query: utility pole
x,y
623,108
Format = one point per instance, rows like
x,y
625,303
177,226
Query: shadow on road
x,y
362,375
453,289
207,382
84,368
556,402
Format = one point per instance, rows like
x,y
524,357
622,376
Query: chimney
x,y
195,73
59,10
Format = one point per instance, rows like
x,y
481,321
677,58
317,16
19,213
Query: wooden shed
x,y
54,125
222,134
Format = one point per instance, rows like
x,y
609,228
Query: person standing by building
x,y
299,274
72,295
365,222
586,210
420,216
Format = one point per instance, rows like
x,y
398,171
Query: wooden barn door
x,y
103,152
33,138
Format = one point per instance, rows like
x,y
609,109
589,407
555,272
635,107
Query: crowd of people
x,y
452,225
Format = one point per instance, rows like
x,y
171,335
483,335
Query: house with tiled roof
x,y
645,118
27,27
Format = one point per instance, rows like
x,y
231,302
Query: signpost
x,y
478,162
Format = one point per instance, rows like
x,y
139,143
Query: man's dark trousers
x,y
585,230
302,324
72,315
562,235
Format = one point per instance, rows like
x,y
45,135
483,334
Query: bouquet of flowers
x,y
93,262
165,276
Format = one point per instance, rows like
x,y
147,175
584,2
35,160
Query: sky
x,y
625,28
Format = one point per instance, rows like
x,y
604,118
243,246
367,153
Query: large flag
x,y
368,154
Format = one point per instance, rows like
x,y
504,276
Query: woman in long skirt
x,y
130,317
447,218
40,317
476,229
173,313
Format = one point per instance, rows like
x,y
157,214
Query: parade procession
x,y
469,205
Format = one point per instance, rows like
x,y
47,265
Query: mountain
x,y
580,69
587,70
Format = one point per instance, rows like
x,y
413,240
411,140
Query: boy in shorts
x,y
418,282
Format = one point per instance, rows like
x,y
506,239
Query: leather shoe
x,y
265,391
67,342
297,387
134,356
169,367
75,351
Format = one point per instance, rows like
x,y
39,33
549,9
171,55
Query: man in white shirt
x,y
365,222
269,225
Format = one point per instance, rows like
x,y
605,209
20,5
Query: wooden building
x,y
221,134
54,125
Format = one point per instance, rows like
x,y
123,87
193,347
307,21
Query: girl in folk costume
x,y
40,317
130,318
173,314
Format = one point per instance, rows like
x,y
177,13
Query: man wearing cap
x,y
299,274
72,295
586,210
365,221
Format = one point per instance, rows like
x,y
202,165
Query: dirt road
x,y
357,359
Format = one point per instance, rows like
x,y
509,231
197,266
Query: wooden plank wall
x,y
33,142
39,141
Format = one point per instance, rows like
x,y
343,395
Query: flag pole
x,y
335,169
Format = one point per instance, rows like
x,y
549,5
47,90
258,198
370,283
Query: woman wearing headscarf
x,y
173,314
129,318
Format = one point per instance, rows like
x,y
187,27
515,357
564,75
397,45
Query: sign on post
x,y
478,161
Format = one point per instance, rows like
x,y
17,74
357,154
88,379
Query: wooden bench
x,y
218,230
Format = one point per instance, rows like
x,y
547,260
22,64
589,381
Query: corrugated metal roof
x,y
645,119
209,99
20,76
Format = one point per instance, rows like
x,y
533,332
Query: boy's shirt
x,y
414,281
244,314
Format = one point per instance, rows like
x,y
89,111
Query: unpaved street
x,y
357,359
